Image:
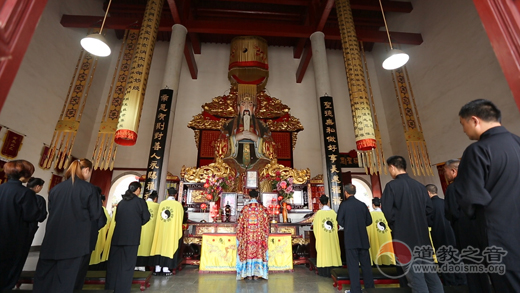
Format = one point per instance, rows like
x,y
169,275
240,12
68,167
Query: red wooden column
x,y
18,20
501,19
376,185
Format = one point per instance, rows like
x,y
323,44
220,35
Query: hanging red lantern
x,y
288,207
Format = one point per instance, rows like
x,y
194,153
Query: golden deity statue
x,y
247,140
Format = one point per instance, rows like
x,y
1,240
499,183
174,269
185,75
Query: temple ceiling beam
x,y
373,5
304,63
190,59
240,29
190,46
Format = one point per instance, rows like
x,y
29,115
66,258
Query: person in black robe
x,y
354,217
443,239
18,208
465,230
94,229
36,185
73,205
407,208
487,188
132,213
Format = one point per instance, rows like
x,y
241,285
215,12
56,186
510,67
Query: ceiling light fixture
x,y
395,58
96,44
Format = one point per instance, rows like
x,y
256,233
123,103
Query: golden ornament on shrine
x,y
248,68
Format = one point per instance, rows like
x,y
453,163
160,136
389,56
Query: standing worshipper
x,y
378,234
147,233
95,226
132,214
325,229
487,188
407,208
442,235
18,208
73,205
252,235
354,217
465,230
36,185
167,238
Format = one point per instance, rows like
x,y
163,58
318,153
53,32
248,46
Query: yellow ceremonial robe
x,y
147,231
108,242
325,229
378,234
95,258
168,228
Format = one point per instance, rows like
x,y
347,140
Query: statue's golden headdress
x,y
246,93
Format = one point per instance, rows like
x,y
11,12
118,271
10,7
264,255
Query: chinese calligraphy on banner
x,y
160,130
332,157
55,180
12,144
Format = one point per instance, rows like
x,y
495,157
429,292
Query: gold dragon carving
x,y
299,176
197,175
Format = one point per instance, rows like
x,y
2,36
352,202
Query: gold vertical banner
x,y
67,126
379,160
104,154
417,150
130,115
360,104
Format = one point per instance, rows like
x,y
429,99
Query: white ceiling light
x,y
96,44
395,58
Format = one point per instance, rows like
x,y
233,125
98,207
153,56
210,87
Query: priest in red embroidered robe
x,y
252,235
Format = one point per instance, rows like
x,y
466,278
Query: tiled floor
x,y
190,281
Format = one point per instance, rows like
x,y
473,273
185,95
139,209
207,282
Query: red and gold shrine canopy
x,y
270,110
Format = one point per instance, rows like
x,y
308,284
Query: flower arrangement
x,y
283,186
215,185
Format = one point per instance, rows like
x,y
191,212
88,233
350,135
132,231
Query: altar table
x,y
219,252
